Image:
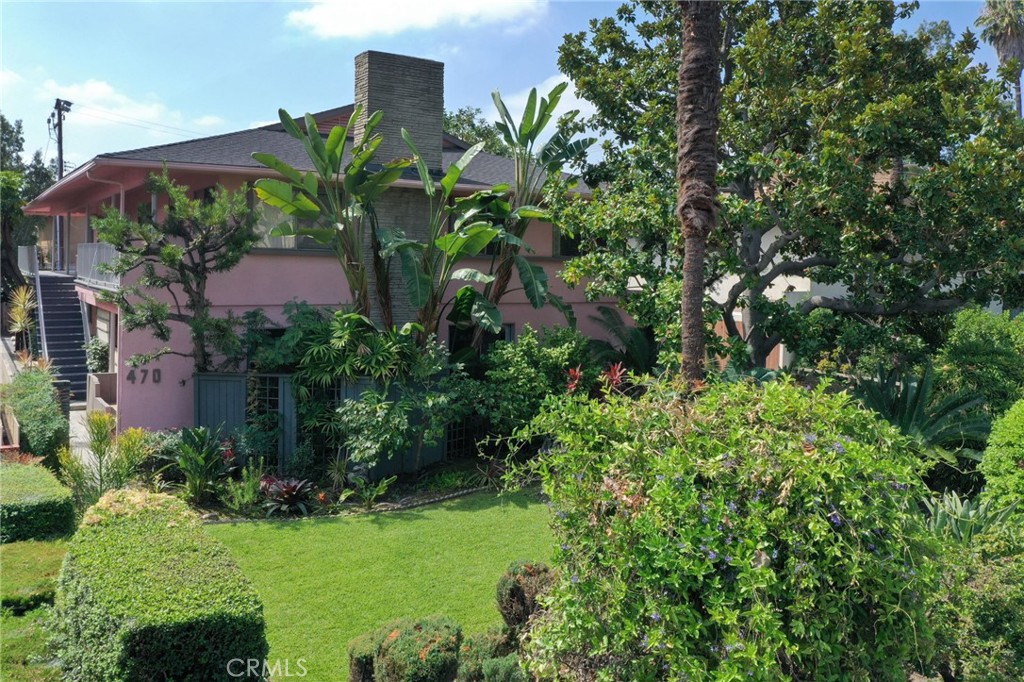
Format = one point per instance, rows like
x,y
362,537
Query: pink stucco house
x,y
410,93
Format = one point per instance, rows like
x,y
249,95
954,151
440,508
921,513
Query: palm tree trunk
x,y
697,104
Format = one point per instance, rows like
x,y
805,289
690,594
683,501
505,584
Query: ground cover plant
x,y
349,576
23,650
145,593
33,504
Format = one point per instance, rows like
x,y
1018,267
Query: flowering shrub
x,y
750,533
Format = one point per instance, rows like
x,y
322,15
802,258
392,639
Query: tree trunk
x,y
1016,93
697,105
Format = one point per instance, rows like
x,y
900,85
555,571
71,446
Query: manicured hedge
x,y
33,504
146,594
406,650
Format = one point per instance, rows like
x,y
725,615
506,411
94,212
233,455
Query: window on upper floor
x,y
565,246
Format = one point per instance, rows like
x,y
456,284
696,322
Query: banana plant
x,y
430,267
535,161
338,198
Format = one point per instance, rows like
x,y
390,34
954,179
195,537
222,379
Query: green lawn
x,y
326,581
28,571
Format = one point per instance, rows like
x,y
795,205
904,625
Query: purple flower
x,y
704,519
565,547
656,617
838,447
731,506
810,438
574,579
712,555
727,559
579,477
835,519
660,477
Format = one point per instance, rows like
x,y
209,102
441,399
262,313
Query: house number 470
x,y
143,374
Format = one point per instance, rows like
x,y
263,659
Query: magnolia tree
x,y
882,164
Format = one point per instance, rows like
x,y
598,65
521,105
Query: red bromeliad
x,y
614,375
575,374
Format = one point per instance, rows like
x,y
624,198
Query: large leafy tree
x,y
1002,25
167,265
697,104
21,183
468,124
879,164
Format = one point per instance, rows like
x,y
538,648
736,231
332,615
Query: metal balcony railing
x,y
90,257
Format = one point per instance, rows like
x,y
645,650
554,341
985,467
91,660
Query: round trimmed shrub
x,y
518,590
1003,462
424,650
146,594
747,533
33,504
476,649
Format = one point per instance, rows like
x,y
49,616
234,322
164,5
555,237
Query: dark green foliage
x,y
946,430
33,504
769,529
1003,462
521,374
978,610
983,355
202,462
504,669
424,650
32,398
635,347
476,649
361,652
145,594
518,590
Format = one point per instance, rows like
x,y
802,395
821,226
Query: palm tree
x,y
698,100
1002,25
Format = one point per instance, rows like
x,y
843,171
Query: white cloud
x,y
8,78
104,119
346,19
208,121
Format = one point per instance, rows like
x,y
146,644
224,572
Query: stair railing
x,y
28,263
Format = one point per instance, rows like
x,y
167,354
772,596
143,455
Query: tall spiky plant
x,y
1002,25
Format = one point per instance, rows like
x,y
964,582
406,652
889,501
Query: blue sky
x,y
144,73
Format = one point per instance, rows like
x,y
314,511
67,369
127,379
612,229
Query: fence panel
x,y
220,401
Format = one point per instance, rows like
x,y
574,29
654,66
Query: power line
x,y
96,116
138,120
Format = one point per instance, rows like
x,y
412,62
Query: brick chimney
x,y
410,92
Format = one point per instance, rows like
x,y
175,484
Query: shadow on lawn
x,y
475,502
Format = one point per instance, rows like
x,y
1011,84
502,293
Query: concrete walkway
x,y
79,434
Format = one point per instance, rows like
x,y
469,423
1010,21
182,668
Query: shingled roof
x,y
234,150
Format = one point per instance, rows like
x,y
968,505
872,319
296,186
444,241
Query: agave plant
x,y
962,519
286,495
908,402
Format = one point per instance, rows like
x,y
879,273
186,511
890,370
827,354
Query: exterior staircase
x,y
65,336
